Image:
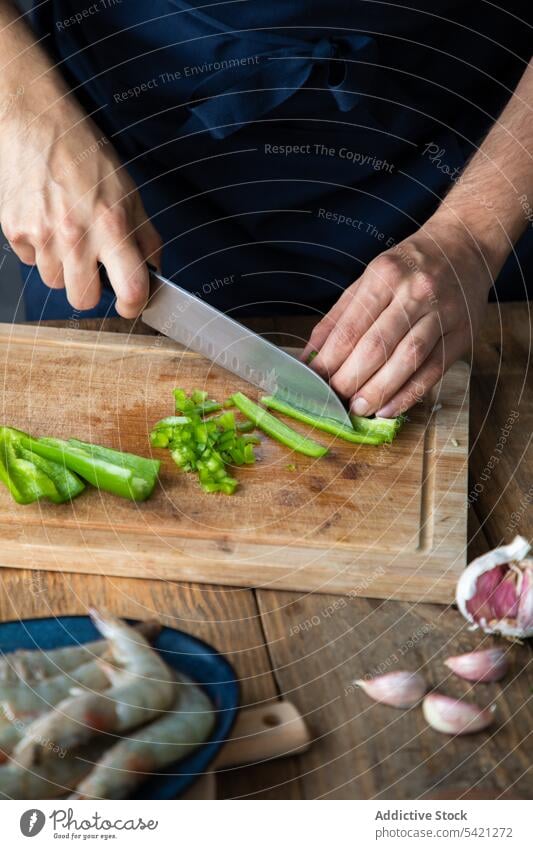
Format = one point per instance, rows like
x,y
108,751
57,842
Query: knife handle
x,y
106,283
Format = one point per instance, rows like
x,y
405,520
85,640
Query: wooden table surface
x,y
310,648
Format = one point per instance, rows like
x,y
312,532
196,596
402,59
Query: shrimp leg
x,y
166,740
142,689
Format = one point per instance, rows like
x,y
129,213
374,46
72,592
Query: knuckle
x,y
425,286
11,232
39,236
70,232
323,328
417,346
345,332
114,220
341,384
133,292
411,355
375,344
385,266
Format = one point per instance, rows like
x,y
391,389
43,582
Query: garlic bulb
x,y
495,591
454,716
487,665
398,689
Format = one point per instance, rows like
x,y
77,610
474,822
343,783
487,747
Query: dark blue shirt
x,y
282,145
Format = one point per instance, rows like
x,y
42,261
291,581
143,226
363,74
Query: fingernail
x,y
386,413
360,407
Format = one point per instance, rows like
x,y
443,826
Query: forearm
x,y
28,76
491,199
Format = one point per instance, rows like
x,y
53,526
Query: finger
x,y
364,304
128,275
413,391
321,331
50,268
375,348
407,358
150,243
82,280
24,250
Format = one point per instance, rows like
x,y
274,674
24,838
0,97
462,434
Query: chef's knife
x,y
197,325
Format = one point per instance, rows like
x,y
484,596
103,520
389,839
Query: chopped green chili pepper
x,y
276,429
29,477
204,446
311,357
117,472
198,403
321,422
385,429
245,427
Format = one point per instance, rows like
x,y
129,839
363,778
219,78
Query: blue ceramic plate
x,y
194,658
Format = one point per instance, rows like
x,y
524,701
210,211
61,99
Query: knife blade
x,y
177,313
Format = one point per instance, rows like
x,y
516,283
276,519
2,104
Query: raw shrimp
x,y
141,690
52,779
27,701
166,740
10,734
33,665
29,665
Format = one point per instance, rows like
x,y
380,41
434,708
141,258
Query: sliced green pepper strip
x,y
120,473
29,477
321,423
142,466
24,480
67,484
276,429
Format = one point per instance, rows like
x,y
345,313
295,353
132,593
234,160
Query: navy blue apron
x,y
278,147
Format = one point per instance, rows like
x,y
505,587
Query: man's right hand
x,y
66,202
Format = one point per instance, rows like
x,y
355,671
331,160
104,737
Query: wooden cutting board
x,y
385,521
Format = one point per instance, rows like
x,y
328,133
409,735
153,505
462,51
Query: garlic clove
x,y
496,591
525,606
399,689
487,665
454,716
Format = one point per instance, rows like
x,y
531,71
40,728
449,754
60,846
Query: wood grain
x,y
366,750
361,750
389,519
318,646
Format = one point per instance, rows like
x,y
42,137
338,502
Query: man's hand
x,y
418,307
66,203
396,330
